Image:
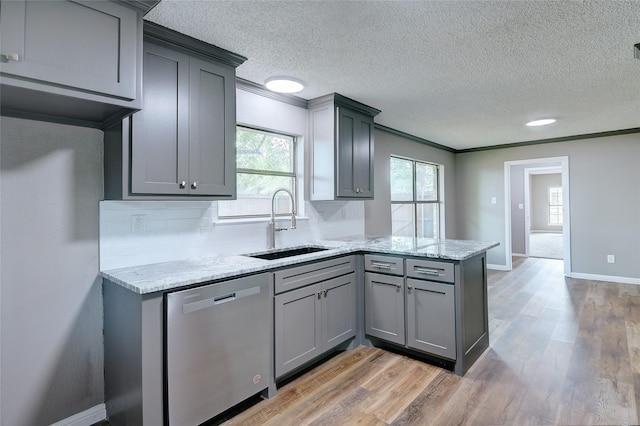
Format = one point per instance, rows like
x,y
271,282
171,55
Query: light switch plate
x,y
611,258
494,200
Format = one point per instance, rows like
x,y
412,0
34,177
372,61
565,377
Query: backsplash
x,y
142,232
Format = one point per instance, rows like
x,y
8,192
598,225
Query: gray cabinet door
x,y
298,320
86,45
431,322
338,310
212,128
354,154
160,132
384,307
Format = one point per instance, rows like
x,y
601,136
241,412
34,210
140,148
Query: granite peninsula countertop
x,y
172,275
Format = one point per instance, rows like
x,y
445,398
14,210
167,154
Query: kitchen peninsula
x,y
423,296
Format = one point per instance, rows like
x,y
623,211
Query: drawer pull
x,y
391,284
379,265
428,271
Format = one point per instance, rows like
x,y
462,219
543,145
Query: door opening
x,y
518,214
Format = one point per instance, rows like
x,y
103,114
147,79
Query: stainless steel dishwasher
x,y
217,347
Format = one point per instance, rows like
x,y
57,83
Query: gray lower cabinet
x,y
341,133
384,307
431,321
71,61
414,313
314,318
441,304
182,143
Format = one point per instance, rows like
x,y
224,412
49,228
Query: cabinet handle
x,y
409,288
319,294
326,292
183,185
194,185
399,286
427,271
12,56
381,265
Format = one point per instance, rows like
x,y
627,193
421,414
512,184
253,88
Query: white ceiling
x,y
459,73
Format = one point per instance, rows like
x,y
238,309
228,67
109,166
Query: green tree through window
x,y
265,163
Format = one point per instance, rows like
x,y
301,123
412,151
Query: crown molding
x,y
259,89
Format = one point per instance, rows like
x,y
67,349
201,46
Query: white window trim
x,y
441,193
298,182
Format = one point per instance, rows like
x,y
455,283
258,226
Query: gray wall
x,y
604,200
52,351
539,195
378,211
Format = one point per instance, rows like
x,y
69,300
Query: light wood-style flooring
x,y
563,351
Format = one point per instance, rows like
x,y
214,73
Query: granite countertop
x,y
172,275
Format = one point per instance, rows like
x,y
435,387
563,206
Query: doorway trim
x,y
566,210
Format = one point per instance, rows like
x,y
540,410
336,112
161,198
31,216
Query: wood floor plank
x,y
389,404
429,402
563,351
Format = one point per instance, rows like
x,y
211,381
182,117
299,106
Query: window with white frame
x,y
415,198
555,205
266,162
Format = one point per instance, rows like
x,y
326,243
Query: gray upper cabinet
x,y
160,132
182,143
341,133
76,62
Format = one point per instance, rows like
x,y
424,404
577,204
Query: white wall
x,y
604,191
52,356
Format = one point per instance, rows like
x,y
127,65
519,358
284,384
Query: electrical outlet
x,y
611,258
137,223
494,200
520,206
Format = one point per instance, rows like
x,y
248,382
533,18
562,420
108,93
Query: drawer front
x,y
430,270
384,264
300,276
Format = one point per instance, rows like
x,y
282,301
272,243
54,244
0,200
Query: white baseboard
x,y
85,418
497,267
609,278
519,255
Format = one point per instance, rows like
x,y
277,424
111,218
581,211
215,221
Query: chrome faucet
x,y
272,224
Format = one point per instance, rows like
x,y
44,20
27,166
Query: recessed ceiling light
x,y
284,85
543,122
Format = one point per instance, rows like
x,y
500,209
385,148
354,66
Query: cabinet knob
x,y
409,288
194,185
12,56
183,185
319,294
326,292
399,286
357,190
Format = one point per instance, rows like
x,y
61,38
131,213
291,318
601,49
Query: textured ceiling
x,y
459,73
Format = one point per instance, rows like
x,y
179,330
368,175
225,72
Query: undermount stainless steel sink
x,y
272,255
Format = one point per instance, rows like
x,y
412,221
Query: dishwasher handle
x,y
188,308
